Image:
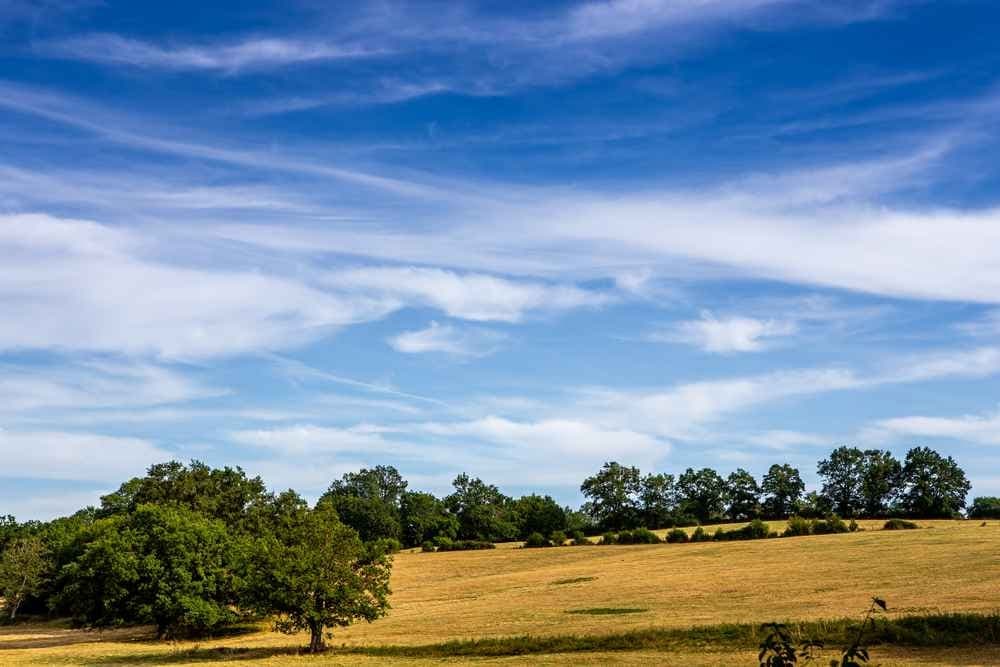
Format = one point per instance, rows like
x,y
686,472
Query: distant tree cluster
x,y
855,483
190,548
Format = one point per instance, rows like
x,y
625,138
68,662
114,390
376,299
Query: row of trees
x,y
855,483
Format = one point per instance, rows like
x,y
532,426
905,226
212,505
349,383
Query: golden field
x,y
946,566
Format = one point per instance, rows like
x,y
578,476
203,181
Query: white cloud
x,y
449,340
726,335
75,456
252,53
984,429
467,296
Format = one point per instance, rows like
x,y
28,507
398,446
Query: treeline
x,y
190,548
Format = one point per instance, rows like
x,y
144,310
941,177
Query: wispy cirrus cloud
x,y
448,339
75,456
726,335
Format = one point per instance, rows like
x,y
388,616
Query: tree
x,y
985,507
813,505
881,481
24,566
166,566
483,512
613,496
313,572
369,501
702,494
225,494
423,517
842,475
783,487
538,514
658,495
742,496
934,486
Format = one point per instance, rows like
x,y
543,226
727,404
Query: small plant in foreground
x,y
856,654
779,650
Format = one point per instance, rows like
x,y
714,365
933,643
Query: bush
x,y
677,536
798,526
609,538
625,537
685,521
644,536
832,524
985,507
428,547
558,538
577,536
536,541
386,545
466,545
700,535
442,541
899,524
755,530
853,526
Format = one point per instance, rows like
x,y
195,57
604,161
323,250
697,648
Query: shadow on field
x,y
219,654
22,637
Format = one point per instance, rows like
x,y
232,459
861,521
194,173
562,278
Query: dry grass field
x,y
944,567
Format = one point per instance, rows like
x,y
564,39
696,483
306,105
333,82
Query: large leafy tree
x,y
783,488
162,565
424,517
742,495
985,507
312,572
538,514
613,495
225,494
483,512
658,497
702,494
842,474
369,501
24,565
934,486
881,481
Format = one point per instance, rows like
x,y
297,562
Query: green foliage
x,y
700,535
163,565
783,487
644,536
538,514
24,566
428,547
535,541
613,496
677,536
312,572
779,650
465,545
423,517
609,538
558,538
853,526
702,494
226,494
829,525
755,530
798,526
813,506
985,507
658,500
483,512
369,501
742,496
934,486
899,524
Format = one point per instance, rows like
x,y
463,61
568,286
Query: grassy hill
x,y
607,590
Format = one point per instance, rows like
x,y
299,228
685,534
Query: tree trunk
x,y
17,599
316,644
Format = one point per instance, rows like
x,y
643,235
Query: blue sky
x,y
506,239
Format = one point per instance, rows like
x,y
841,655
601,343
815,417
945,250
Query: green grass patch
x,y
606,611
574,580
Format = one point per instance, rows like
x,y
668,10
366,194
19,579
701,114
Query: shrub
x,y
609,538
442,541
582,541
386,545
700,535
428,547
577,536
558,538
625,537
677,536
755,530
853,526
466,545
798,526
832,524
685,521
899,524
536,541
644,536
